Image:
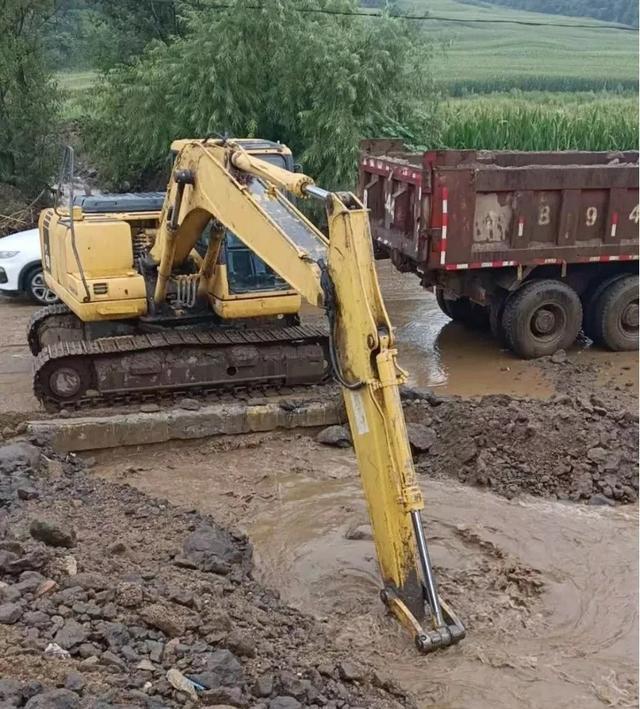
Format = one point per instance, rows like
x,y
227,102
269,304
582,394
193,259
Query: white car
x,y
21,267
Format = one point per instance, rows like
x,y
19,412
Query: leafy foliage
x,y
541,122
123,29
317,82
28,101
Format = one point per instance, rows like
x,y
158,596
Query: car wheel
x,y
38,290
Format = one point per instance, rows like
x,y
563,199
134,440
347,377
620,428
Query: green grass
x,y
498,57
74,85
76,80
541,122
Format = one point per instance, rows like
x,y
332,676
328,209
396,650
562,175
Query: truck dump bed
x,y
466,209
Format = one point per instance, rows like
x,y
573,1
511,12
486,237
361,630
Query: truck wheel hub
x,y
65,382
630,316
544,321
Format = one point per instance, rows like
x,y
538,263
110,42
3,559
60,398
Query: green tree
x,y
28,101
121,30
318,82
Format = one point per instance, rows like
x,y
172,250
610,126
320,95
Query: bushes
x,y
28,102
317,82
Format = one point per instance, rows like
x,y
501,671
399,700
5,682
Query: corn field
x,y
563,123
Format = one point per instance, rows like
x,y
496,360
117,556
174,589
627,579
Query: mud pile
x,y
110,598
568,448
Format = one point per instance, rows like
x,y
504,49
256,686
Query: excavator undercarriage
x,y
89,364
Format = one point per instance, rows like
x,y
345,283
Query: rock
x,y
26,491
70,565
350,672
597,454
38,619
116,634
55,699
9,594
212,549
223,665
155,650
224,696
52,533
129,595
54,650
241,644
182,597
263,686
17,455
117,548
30,581
54,468
189,404
358,532
75,682
72,633
10,613
146,666
559,357
421,437
337,436
284,702
89,662
87,580
111,659
34,559
164,619
466,451
149,408
10,693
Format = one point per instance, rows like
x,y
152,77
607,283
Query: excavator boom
x,y
217,179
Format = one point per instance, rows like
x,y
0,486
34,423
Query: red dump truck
x,y
536,246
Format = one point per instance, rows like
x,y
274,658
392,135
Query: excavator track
x,y
142,367
57,316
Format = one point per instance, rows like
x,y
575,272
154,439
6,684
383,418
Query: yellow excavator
x,y
242,190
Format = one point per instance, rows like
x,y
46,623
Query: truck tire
x,y
615,315
589,304
464,311
443,303
496,310
542,316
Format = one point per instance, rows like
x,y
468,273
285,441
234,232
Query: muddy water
x,y
572,644
442,354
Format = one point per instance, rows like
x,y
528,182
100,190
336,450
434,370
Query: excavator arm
x,y
217,179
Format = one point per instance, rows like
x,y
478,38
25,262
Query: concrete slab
x,y
131,429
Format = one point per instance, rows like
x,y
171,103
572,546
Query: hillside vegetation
x,y
485,57
622,11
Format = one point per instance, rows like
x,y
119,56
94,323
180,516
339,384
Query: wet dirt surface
x,y
548,589
15,358
550,607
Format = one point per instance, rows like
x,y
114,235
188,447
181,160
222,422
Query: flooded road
x,y
444,355
548,590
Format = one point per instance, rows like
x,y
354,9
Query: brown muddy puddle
x,y
572,644
452,359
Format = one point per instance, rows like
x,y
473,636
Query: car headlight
x,y
8,254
